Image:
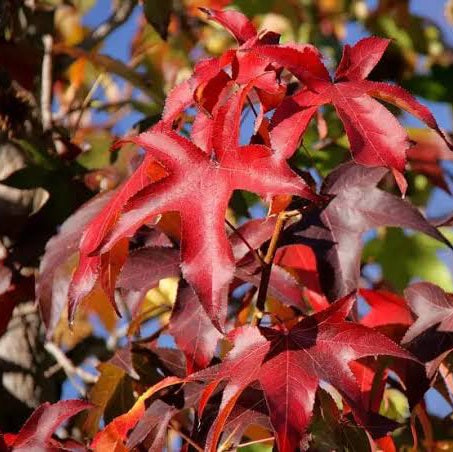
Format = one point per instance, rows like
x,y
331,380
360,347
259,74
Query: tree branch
x,y
117,19
46,83
66,364
188,440
283,217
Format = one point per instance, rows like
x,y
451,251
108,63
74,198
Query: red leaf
x,y
194,333
375,136
282,285
152,426
432,306
301,261
334,233
235,22
252,234
227,126
303,60
37,431
52,284
359,60
426,155
289,365
201,197
114,434
386,309
145,267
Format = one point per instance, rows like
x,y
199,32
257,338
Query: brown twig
x,y
151,337
283,217
185,437
46,83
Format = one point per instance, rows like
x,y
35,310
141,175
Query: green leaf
x,y
99,154
256,448
434,86
37,156
395,405
404,257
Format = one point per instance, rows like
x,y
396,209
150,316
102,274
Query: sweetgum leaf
x,y
289,365
145,267
387,308
335,232
201,197
90,267
250,409
433,307
194,333
359,60
115,433
375,136
235,22
36,433
426,155
51,294
152,427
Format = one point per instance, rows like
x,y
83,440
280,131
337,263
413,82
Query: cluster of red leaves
x,y
271,375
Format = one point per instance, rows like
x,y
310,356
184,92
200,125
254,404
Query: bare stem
x,y
252,107
46,83
185,437
283,217
87,99
257,441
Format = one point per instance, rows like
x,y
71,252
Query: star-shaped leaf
x,y
375,135
335,232
432,306
289,366
201,196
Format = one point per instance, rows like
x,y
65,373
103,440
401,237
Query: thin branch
x,y
226,444
67,365
283,217
308,153
151,337
257,441
252,107
87,100
117,18
185,437
46,83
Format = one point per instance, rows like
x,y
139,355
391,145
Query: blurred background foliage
x,y
75,75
